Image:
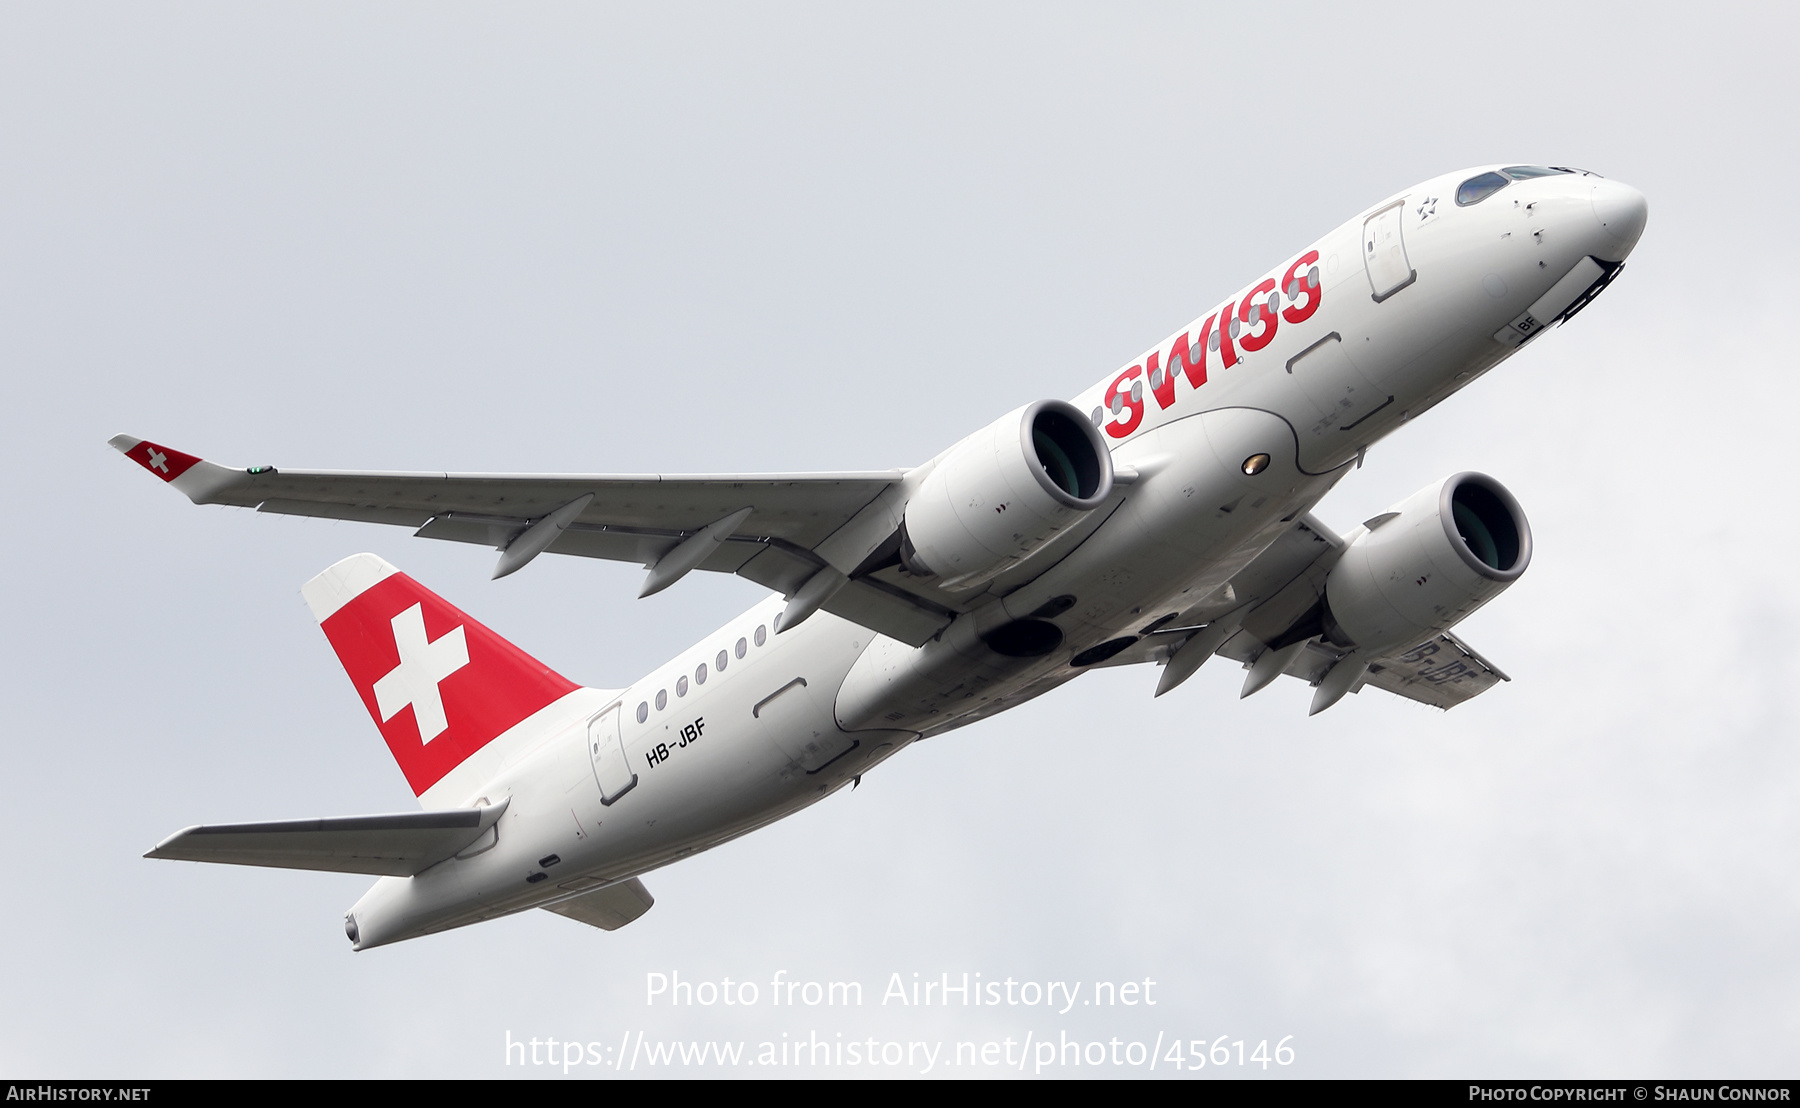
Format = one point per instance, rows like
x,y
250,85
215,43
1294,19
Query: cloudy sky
x,y
789,237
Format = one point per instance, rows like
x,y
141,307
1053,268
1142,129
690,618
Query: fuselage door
x,y
608,754
1384,252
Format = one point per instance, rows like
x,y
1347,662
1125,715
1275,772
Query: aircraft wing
x,y
1274,602
779,530
397,845
608,909
1443,671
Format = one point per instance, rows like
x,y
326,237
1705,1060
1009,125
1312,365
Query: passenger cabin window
x,y
741,647
681,687
700,674
643,712
662,699
761,635
1479,188
719,662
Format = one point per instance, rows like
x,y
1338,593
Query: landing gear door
x,y
608,753
1384,252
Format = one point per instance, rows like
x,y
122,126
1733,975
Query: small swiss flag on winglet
x,y
439,685
163,461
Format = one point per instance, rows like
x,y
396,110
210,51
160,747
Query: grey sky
x,y
841,236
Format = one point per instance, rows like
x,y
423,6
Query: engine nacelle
x,y
1004,492
1426,564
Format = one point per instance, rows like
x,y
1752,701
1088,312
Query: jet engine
x,y
1003,493
1426,564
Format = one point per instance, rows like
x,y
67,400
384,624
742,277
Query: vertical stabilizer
x,y
440,686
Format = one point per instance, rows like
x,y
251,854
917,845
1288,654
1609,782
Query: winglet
x,y
196,478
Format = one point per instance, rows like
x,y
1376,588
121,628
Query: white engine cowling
x,y
1426,564
1004,492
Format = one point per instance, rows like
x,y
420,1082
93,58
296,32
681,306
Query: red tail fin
x,y
439,685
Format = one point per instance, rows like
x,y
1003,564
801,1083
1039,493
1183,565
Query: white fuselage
x,y
1413,298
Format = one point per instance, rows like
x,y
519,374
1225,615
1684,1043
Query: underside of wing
x,y
398,845
1270,618
1443,673
610,908
780,530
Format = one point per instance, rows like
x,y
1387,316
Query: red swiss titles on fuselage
x,y
1250,322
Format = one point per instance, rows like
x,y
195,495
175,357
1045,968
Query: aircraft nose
x,y
1622,212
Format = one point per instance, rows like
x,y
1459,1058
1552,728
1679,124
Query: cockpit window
x,y
1477,189
1521,172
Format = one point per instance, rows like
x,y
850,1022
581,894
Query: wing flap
x,y
494,531
896,616
397,845
610,908
1443,673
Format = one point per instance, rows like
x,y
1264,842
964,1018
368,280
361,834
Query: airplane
x,y
1162,516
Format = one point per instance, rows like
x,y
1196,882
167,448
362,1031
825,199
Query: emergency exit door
x,y
608,753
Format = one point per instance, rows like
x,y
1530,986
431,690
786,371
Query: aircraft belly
x,y
1193,519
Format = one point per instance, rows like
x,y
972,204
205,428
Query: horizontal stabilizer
x,y
610,908
391,845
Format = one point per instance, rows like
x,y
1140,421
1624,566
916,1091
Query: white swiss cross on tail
x,y
406,647
422,665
